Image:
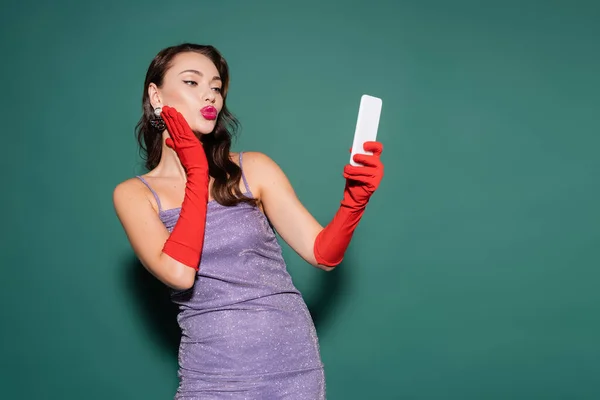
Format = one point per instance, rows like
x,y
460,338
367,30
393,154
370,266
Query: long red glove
x,y
361,182
187,238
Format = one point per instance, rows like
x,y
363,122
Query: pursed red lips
x,y
209,112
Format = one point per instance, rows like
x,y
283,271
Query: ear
x,y
154,95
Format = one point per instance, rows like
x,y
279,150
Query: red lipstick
x,y
209,112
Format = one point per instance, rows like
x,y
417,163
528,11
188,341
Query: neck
x,y
169,165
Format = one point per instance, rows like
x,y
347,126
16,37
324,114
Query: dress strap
x,y
244,176
153,192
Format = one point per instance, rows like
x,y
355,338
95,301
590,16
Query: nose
x,y
210,96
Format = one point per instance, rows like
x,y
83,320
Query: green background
x,y
474,273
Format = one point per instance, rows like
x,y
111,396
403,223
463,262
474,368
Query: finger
x,y
186,132
169,143
351,170
167,116
172,113
366,160
182,127
359,180
182,124
375,147
166,112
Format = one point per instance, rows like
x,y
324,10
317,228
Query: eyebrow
x,y
215,78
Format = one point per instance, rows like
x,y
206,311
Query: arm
x,y
321,247
187,239
297,227
173,258
147,236
361,182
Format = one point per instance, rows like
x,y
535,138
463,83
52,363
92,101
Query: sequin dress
x,y
246,331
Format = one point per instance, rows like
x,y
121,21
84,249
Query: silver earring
x,y
157,122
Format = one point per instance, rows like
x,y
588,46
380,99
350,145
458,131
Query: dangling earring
x,y
157,122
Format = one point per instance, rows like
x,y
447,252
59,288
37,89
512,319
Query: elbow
x,y
174,274
183,278
322,255
326,266
181,285
322,263
171,273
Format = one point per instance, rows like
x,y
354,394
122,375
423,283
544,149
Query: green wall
x,y
474,274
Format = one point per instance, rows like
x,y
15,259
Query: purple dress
x,y
246,331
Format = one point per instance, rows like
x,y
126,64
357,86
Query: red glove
x,y
187,238
361,182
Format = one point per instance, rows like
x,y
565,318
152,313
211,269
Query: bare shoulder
x,y
263,173
255,160
129,193
261,168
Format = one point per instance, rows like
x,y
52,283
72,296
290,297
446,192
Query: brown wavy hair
x,y
217,144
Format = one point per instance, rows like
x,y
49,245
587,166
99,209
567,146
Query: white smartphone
x,y
367,124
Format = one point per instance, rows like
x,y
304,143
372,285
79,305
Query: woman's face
x,y
193,87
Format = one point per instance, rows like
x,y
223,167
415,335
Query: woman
x,y
200,221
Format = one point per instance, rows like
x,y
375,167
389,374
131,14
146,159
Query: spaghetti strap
x,y
153,192
244,176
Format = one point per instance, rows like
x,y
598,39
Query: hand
x,y
186,241
363,181
188,147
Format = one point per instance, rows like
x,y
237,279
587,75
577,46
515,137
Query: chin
x,y
205,127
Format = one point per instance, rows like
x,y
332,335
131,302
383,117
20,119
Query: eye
x,y
191,83
217,89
